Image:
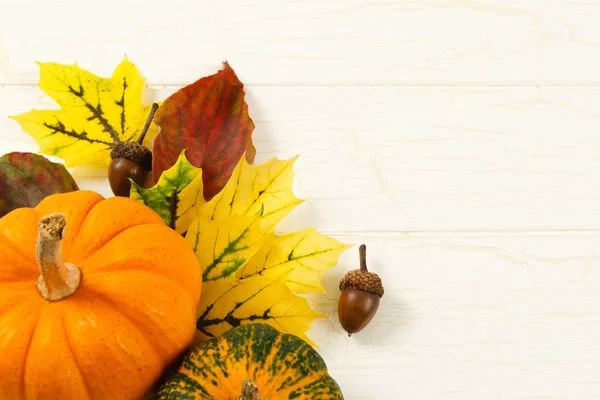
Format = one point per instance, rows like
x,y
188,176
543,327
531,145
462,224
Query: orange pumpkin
x,y
97,309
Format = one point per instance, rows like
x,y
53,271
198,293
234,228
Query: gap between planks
x,y
425,85
463,233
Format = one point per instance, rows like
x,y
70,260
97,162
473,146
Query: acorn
x,y
131,160
361,292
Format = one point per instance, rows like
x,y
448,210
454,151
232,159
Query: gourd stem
x,y
362,251
140,139
57,279
249,391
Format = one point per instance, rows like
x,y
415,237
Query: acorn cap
x,y
135,152
362,280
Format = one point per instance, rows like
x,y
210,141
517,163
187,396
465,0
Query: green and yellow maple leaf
x,y
96,113
229,302
250,274
176,197
223,246
307,253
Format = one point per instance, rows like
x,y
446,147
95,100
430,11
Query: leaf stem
x,y
153,110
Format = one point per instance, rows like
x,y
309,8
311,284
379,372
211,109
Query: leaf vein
x,y
60,128
97,113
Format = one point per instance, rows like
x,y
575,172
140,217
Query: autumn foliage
x,y
210,119
204,187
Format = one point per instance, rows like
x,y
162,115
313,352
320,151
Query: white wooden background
x,y
463,134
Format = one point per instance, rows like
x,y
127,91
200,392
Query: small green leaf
x,y
177,195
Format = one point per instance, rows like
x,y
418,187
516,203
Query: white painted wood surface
x,y
458,139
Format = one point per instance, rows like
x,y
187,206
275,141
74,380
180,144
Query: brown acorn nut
x,y
131,160
359,301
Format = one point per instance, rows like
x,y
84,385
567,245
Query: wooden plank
x,y
471,317
503,42
416,159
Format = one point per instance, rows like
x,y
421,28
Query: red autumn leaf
x,y
26,178
209,119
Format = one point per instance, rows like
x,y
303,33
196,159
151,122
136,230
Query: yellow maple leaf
x,y
230,302
307,253
248,271
249,274
264,188
96,113
223,246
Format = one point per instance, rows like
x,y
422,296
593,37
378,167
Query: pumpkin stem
x,y
58,279
249,391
